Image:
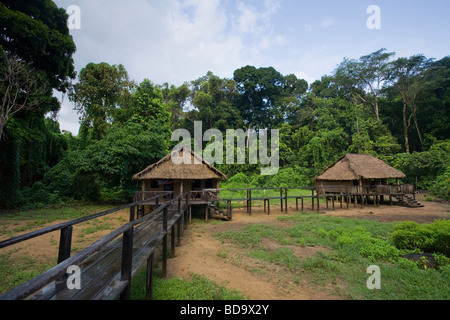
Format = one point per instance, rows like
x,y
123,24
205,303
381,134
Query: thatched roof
x,y
356,166
166,169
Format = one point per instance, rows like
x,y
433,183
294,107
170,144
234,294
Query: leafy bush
x,y
239,180
441,187
433,238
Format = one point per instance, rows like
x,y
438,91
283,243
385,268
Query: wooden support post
x,y
347,198
296,203
247,201
286,199
164,248
172,241
318,200
179,222
302,204
127,263
149,278
189,220
250,207
312,198
132,213
268,205
65,244
281,199
332,201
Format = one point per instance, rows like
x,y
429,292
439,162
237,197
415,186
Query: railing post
x,y
164,249
65,244
127,260
281,199
286,199
149,278
179,222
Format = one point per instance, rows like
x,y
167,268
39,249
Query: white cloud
x,y
327,23
308,28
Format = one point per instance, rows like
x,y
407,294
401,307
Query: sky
x,y
177,41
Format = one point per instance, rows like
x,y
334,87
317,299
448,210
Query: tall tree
x,y
35,56
368,73
214,100
100,91
260,90
408,77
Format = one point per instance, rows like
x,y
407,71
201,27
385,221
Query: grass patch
x,y
198,288
38,217
353,245
17,271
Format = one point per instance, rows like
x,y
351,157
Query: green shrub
x,y
433,238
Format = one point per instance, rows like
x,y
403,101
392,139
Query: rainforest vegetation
x,y
395,108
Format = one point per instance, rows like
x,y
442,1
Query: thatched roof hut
x,y
167,169
359,166
167,175
356,173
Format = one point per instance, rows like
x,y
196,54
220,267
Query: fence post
x,y
127,259
65,244
286,199
164,249
149,278
281,199
250,201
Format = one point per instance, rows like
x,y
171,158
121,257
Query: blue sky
x,y
180,40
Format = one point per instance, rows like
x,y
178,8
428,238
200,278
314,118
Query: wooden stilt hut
x,y
363,175
193,174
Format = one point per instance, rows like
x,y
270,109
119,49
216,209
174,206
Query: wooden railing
x,y
169,214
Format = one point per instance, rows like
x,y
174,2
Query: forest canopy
x,y
395,108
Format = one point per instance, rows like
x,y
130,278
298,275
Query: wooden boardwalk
x,y
107,266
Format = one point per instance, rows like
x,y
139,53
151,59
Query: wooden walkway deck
x,y
108,266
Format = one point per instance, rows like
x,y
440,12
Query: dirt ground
x,y
226,264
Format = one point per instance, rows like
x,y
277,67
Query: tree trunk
x,y
3,120
405,127
377,109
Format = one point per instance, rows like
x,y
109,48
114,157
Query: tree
x,y
35,56
19,86
36,32
36,51
368,74
101,90
260,90
407,76
214,100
